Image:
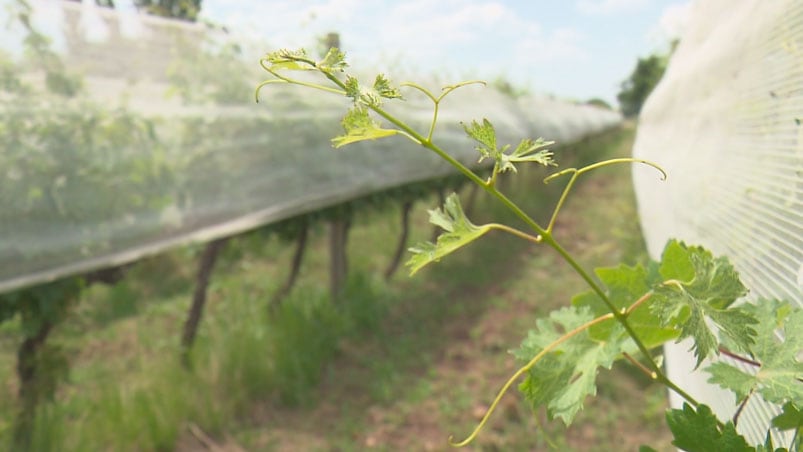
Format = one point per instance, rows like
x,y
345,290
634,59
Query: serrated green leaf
x,y
731,378
293,60
791,417
565,376
697,431
352,88
485,135
698,287
624,285
372,96
459,232
359,126
528,151
714,279
779,379
383,87
335,60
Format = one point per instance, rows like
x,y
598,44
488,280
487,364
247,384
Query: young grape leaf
x,y
384,89
697,431
335,60
698,286
293,60
563,378
352,88
624,286
779,379
526,152
371,96
485,135
359,126
459,232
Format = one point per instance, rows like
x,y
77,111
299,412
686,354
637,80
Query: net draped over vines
x,y
123,135
726,122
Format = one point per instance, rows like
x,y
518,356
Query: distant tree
x,y
639,85
328,41
597,102
177,9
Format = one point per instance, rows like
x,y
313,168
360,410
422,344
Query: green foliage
x,y
629,310
45,303
563,378
624,286
359,126
485,135
780,373
176,9
697,287
640,83
791,417
698,431
208,71
597,102
459,232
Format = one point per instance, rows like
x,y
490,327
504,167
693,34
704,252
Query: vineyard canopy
x,y
122,135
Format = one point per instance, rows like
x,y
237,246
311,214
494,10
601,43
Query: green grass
x,y
390,365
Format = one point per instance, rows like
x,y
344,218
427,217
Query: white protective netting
x,y
163,145
725,122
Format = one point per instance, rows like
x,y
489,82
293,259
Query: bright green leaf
x,y
293,60
714,279
779,379
624,286
565,376
528,151
791,417
731,378
359,126
459,232
384,89
698,287
485,135
335,60
697,431
352,88
373,96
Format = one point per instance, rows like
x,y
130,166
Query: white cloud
x,y
672,24
609,6
561,44
485,37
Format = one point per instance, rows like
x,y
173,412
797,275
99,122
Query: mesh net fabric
x,y
161,143
725,122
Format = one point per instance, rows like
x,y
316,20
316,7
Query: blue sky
x,y
571,48
575,49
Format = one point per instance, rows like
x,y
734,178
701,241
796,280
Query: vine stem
x,y
732,355
577,172
523,369
547,237
621,317
544,234
516,232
